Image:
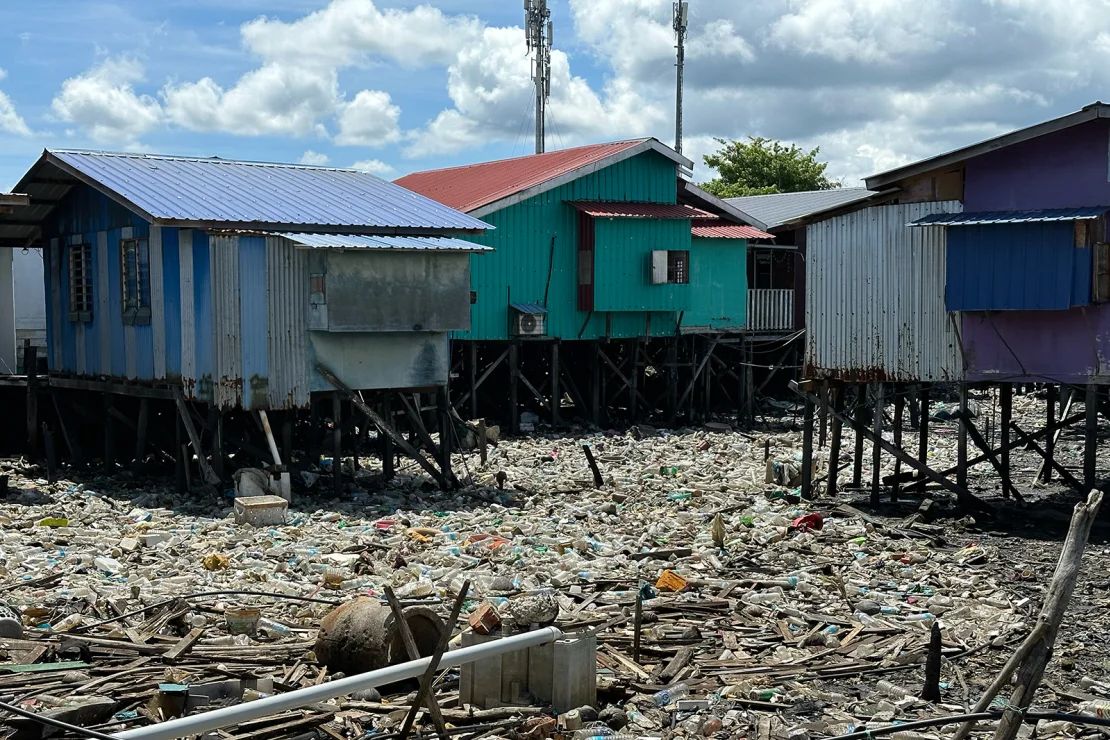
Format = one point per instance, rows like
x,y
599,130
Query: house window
x,y
80,283
678,266
135,280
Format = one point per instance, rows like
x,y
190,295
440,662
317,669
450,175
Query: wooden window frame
x,y
678,266
80,283
134,272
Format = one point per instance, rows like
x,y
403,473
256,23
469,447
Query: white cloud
x,y
371,119
273,99
311,157
103,102
374,167
10,121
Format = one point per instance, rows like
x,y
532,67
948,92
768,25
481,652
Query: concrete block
x,y
260,511
574,674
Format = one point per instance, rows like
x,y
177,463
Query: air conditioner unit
x,y
529,320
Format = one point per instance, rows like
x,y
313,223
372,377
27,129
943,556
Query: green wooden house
x,y
596,249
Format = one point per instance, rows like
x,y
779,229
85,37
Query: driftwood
x,y
1030,660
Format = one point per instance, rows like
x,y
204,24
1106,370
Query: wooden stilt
x,y
388,455
1090,437
179,458
807,449
71,441
287,438
899,410
749,383
1050,425
672,378
923,426
634,381
109,431
446,432
961,442
876,448
857,453
834,442
514,388
208,473
556,388
216,424
472,373
337,444
50,453
595,382
30,365
141,429
313,434
1005,402
823,415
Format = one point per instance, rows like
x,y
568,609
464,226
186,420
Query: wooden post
x,y
834,443
634,384
287,438
337,444
961,442
807,450
141,429
1050,426
931,690
446,432
595,383
923,428
313,433
482,441
51,454
749,383
514,387
1006,401
388,470
472,373
823,416
179,458
110,432
637,622
216,424
672,378
876,448
857,454
556,391
899,411
30,367
599,481
1090,438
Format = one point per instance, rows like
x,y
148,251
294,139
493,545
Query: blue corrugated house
x,y
240,285
234,279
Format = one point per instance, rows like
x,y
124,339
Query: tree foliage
x,y
760,166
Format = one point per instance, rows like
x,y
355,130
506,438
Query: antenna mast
x,y
537,30
680,12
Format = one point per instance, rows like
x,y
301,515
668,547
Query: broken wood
x,y
599,481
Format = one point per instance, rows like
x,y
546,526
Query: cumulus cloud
x,y
374,167
315,158
103,102
371,119
10,121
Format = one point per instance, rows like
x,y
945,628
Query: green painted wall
x,y
718,269
535,254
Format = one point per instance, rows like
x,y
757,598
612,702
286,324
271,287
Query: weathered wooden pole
x,y
337,443
961,443
388,455
556,392
472,376
834,442
876,448
514,387
899,410
1090,436
931,690
923,426
857,454
807,448
1006,401
1050,426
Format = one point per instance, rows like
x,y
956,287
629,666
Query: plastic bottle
x,y
1098,707
671,694
594,730
886,687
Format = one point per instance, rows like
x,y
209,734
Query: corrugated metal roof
x,y
725,230
985,218
640,210
386,243
213,192
474,186
778,208
535,309
14,199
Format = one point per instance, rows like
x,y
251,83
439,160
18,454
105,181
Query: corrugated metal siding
x,y
254,328
875,297
204,329
1017,266
229,192
286,314
384,243
171,300
517,270
622,264
719,278
771,309
228,375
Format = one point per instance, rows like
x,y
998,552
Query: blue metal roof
x,y
386,243
534,309
987,218
214,193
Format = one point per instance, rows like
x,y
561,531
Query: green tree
x,y
760,166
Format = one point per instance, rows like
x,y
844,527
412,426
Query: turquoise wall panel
x,y
622,264
718,269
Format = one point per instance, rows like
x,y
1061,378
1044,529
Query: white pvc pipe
x,y
233,715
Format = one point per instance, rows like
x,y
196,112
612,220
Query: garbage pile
x,y
722,604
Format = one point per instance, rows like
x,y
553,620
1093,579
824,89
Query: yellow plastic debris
x,y
671,581
216,561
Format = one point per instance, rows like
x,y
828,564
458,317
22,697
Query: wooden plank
x,y
183,646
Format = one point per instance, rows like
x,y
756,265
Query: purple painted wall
x,y
1061,170
1035,346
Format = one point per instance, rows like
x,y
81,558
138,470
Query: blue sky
x,y
396,86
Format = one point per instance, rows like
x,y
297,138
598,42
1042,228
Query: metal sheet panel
x,y
228,374
219,191
983,218
385,243
372,360
188,311
875,297
609,209
157,303
254,327
286,316
102,314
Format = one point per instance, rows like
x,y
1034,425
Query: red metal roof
x,y
640,210
722,229
472,186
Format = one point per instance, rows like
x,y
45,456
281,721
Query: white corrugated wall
x,y
228,378
287,309
875,297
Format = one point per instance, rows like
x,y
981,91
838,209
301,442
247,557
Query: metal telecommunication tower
x,y
680,12
537,29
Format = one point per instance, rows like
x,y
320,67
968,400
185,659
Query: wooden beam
x,y
834,443
981,443
210,476
1050,424
1090,435
857,453
807,447
1064,472
876,448
1006,405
